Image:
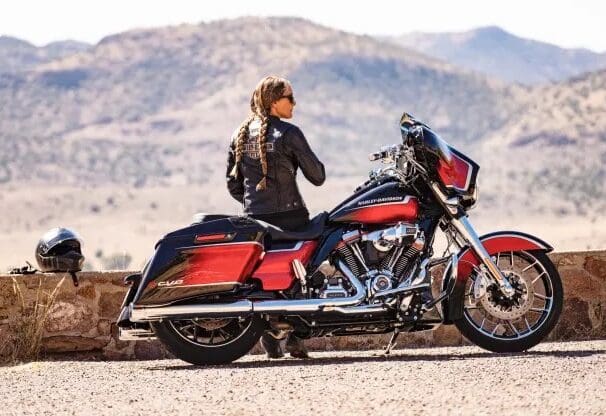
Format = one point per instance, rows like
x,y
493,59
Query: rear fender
x,y
497,242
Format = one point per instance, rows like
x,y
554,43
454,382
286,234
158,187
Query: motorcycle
x,y
213,288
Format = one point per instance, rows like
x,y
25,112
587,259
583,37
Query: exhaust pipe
x,y
132,334
246,307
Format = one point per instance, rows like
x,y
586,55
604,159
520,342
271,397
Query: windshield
x,y
436,145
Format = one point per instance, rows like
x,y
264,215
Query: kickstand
x,y
392,341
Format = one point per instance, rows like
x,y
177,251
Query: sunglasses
x,y
290,98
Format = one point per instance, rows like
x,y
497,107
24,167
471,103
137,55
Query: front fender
x,y
497,242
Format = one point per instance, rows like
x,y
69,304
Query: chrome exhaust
x,y
246,307
132,334
156,313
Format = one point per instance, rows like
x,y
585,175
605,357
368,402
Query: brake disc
x,y
498,305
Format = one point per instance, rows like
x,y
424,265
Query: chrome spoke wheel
x,y
503,318
204,341
211,332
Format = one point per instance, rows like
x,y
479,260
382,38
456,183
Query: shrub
x,y
24,340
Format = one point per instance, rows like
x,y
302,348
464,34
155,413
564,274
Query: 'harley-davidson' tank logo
x,y
380,200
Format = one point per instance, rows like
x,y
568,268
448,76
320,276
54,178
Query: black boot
x,y
271,346
295,346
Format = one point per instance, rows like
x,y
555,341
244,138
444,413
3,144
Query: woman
x,y
264,155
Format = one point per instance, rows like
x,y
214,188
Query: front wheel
x,y
500,324
210,341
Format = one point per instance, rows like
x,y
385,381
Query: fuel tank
x,y
208,257
383,204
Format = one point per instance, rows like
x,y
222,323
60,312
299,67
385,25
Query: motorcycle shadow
x,y
395,356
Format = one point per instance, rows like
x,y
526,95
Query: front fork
x,y
468,233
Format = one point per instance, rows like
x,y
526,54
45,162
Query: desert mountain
x,y
558,143
141,106
125,139
18,55
497,53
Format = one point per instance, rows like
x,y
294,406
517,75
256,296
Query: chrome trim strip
x,y
405,201
199,246
200,285
295,248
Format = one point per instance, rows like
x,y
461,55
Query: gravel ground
x,y
552,379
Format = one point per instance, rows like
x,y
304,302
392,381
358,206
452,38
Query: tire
x,y
172,335
516,342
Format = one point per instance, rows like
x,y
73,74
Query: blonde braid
x,y
242,136
262,185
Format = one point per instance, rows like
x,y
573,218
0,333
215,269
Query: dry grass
x,y
24,340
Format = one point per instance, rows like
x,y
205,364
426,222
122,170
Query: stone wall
x,y
82,319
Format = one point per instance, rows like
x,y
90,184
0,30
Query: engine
x,y
380,259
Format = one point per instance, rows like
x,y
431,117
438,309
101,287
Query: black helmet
x,y
59,250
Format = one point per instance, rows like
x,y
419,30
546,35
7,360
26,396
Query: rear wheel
x,y
502,324
210,341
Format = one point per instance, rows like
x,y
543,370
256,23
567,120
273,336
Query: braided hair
x,y
269,90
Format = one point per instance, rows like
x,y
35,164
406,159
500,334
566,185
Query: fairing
x,y
456,172
436,145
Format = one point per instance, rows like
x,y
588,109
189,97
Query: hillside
x,y
155,99
17,55
125,140
500,54
558,144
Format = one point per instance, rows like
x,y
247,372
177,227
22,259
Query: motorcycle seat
x,y
313,230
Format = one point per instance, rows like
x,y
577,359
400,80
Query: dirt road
x,y
552,379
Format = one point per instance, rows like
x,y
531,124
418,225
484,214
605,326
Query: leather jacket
x,y
287,150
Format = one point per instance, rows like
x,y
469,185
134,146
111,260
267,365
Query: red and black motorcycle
x,y
211,289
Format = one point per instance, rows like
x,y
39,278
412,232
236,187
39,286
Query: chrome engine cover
x,y
385,239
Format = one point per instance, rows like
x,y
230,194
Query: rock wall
x,y
82,319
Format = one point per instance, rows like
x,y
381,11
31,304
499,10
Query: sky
x,y
577,23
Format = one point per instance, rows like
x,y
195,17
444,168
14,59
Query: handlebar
x,y
387,154
378,155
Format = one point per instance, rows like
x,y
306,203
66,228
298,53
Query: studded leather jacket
x,y
286,150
